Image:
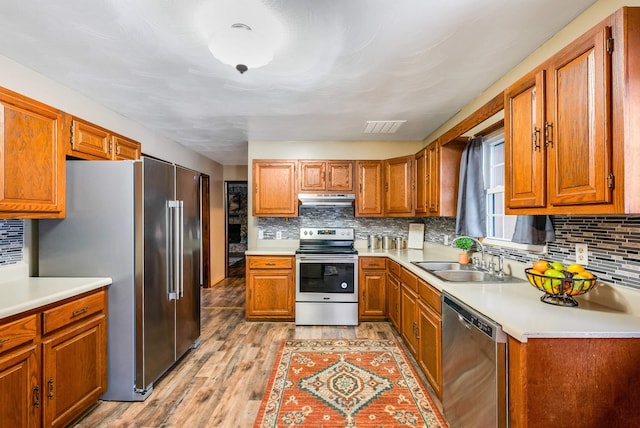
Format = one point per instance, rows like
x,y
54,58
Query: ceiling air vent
x,y
382,126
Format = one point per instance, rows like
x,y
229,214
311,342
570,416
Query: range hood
x,y
326,199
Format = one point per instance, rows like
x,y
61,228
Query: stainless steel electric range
x,y
326,277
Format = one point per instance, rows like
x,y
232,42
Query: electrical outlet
x,y
260,234
582,254
279,235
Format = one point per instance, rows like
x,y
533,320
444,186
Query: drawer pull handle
x,y
36,396
50,395
80,311
271,264
6,339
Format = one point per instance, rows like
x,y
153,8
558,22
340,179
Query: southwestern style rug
x,y
345,383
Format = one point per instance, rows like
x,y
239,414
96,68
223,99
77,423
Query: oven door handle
x,y
327,258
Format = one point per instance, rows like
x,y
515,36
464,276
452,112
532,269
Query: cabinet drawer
x,y
71,312
18,332
270,262
373,262
393,267
409,279
430,295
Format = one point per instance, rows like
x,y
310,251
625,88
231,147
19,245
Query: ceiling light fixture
x,y
246,35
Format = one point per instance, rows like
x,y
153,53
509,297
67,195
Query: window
x,y
499,225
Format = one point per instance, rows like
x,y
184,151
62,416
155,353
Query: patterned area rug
x,y
345,383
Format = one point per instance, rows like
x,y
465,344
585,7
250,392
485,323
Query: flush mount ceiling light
x,y
245,35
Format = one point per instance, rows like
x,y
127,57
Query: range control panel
x,y
340,233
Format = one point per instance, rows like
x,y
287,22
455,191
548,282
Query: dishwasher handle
x,y
472,318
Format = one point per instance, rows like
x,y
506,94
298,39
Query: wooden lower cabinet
x,y
53,362
372,284
393,296
430,345
583,382
270,288
409,318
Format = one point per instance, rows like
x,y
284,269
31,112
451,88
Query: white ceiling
x,y
343,62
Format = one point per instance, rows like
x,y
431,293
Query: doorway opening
x,y
236,223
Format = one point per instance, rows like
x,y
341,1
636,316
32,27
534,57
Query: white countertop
x,y
26,293
608,311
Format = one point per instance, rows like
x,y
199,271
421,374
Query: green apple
x,y
551,285
558,266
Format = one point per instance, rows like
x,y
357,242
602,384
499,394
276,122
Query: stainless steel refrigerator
x,y
139,223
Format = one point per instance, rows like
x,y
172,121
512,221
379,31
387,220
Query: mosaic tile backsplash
x,y
613,241
11,241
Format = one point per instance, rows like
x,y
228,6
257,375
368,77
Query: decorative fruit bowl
x,y
559,290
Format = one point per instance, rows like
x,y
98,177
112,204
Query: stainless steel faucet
x,y
478,245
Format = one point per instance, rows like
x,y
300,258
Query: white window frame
x,y
488,142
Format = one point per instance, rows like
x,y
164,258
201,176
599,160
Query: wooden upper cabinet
x,y
525,150
578,134
422,182
369,185
92,142
437,175
398,186
572,127
274,188
32,158
325,176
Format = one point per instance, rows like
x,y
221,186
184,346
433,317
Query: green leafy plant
x,y
464,243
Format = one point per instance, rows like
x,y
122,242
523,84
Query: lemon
x,y
575,268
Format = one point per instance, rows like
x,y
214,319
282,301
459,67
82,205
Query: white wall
x,y
27,82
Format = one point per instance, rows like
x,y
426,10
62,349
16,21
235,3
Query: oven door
x,y
326,278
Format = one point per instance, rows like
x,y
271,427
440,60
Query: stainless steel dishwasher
x,y
474,367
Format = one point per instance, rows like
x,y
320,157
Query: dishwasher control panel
x,y
470,316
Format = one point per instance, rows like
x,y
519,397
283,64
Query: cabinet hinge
x,y
611,180
610,45
72,123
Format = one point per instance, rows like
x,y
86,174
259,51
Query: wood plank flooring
x,y
221,383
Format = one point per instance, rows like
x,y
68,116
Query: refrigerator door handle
x,y
180,252
171,248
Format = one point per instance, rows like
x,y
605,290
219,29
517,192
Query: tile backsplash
x,y
613,241
11,241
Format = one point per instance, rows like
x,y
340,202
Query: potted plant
x,y
464,244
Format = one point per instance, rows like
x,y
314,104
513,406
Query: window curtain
x,y
533,229
471,218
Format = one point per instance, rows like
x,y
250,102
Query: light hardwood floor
x,y
221,383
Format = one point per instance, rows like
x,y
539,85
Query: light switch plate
x,y
582,254
260,234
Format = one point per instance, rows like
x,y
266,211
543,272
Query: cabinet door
x,y
369,183
398,186
89,139
525,151
20,392
422,181
393,300
312,176
126,149
32,171
578,135
371,289
340,176
274,188
430,346
408,318
433,174
270,294
74,370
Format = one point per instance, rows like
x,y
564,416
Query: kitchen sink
x,y
456,272
439,266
